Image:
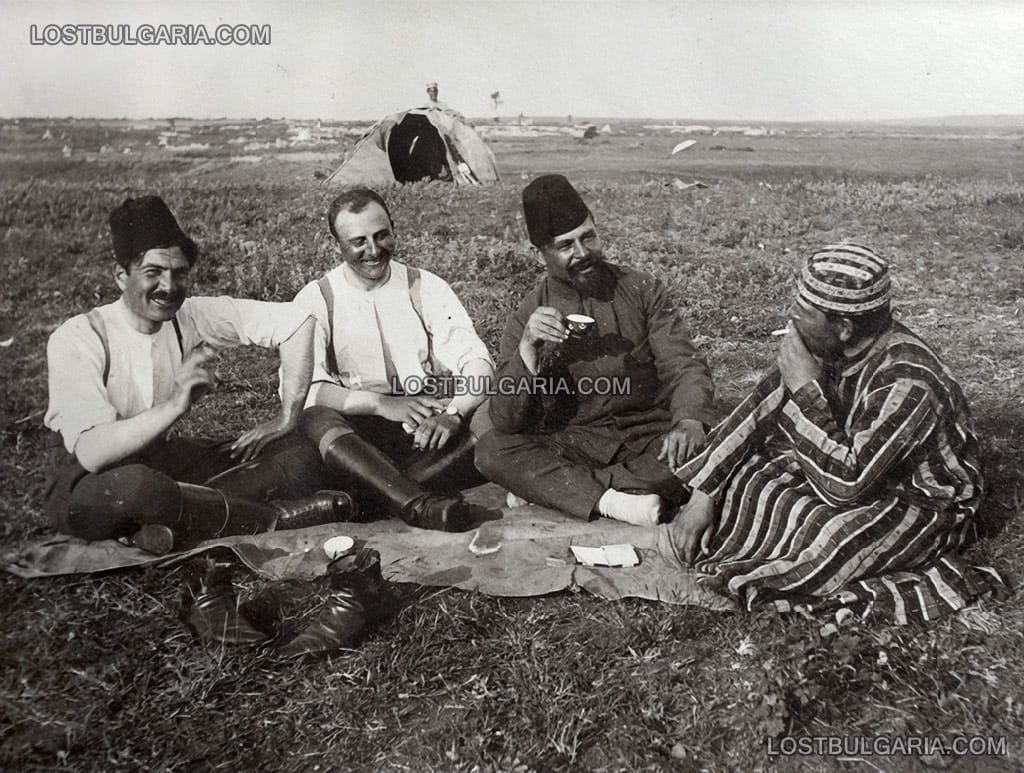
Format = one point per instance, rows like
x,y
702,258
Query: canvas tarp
x,y
534,557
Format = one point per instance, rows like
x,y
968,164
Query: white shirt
x,y
378,335
143,366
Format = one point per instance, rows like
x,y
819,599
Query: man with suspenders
x,y
399,373
120,379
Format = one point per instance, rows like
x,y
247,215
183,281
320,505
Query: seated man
x,y
851,472
120,378
391,338
565,437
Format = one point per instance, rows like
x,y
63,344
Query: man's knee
x,y
490,454
323,425
113,503
288,468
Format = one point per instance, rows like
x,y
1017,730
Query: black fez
x,y
144,223
552,207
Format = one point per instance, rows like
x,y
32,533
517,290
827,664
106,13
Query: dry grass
x,y
97,673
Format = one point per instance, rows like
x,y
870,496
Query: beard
x,y
593,279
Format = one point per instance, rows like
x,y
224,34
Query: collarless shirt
x,y
378,336
143,366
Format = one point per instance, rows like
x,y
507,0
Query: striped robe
x,y
857,489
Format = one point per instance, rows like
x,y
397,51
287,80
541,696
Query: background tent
x,y
418,144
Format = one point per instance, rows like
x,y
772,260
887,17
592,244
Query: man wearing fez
x,y
850,473
399,373
123,374
560,441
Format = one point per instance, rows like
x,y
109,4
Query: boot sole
x,y
154,538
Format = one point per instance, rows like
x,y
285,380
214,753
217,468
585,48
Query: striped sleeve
x,y
844,469
729,443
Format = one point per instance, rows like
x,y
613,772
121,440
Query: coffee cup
x,y
579,324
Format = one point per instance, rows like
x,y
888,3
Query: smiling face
x,y
574,256
366,240
154,287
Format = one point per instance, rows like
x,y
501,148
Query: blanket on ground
x,y
534,557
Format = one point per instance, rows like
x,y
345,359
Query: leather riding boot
x,y
363,464
323,507
447,468
205,513
357,594
290,472
261,480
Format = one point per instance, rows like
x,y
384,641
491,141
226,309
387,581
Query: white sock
x,y
514,501
637,509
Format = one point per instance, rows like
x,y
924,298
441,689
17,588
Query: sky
x,y
783,60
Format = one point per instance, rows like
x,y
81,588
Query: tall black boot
x,y
282,471
449,468
205,513
323,507
361,463
259,480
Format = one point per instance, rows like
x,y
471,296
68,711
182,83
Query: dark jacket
x,y
639,336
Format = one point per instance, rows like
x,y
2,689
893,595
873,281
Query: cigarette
x,y
780,332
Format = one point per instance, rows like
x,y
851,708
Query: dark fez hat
x,y
144,223
552,207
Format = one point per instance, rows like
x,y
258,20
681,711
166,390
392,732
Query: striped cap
x,y
847,279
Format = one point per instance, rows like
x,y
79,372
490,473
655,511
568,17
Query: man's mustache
x,y
584,265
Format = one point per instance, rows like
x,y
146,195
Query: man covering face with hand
x,y
850,475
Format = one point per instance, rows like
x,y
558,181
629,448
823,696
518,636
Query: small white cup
x,y
335,546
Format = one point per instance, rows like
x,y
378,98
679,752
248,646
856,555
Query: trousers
x,y
548,471
114,502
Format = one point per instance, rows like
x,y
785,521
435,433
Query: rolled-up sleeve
x,y
78,398
226,322
310,299
452,332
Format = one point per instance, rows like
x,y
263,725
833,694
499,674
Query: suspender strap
x,y
416,297
177,334
325,291
100,328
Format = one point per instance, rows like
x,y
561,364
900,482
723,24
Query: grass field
x,y
97,673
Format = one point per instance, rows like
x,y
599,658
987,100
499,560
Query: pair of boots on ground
x,y
230,503
294,617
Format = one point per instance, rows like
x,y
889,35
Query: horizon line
x,y
576,118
